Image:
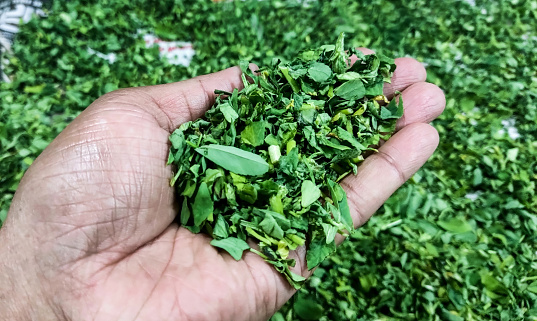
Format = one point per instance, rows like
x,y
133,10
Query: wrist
x,y
21,297
12,296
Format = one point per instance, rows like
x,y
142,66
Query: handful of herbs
x,y
264,162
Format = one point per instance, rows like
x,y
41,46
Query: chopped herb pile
x,y
264,163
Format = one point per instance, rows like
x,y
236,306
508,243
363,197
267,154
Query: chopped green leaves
x,y
264,162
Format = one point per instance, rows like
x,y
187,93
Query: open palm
x,y
91,232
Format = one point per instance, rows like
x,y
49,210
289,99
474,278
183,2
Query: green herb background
x,y
432,252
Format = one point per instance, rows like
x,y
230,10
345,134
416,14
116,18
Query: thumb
x,y
179,102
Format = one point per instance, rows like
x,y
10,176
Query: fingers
x,y
382,173
189,99
422,103
366,51
409,71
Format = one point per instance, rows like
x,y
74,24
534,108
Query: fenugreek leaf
x,y
203,205
254,134
319,72
351,90
229,113
234,159
271,227
234,246
393,110
310,193
318,250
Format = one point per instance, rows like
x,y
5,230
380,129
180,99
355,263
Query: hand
x,y
90,232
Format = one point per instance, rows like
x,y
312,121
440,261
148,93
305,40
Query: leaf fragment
x,y
310,193
234,246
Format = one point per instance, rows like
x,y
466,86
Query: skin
x,y
89,235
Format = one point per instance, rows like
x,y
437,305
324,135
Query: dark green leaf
x,y
203,205
351,90
307,309
318,251
271,227
393,110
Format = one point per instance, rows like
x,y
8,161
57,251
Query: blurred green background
x,y
457,242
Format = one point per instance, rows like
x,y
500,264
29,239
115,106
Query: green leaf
x,y
307,309
271,227
234,246
292,82
340,199
351,90
247,193
330,231
281,220
185,212
35,89
319,72
318,251
492,284
344,209
177,138
221,227
289,162
375,89
393,110
339,56
532,287
346,136
254,134
203,205
3,216
310,193
456,225
478,177
229,113
235,160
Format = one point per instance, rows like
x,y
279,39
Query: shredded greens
x,y
264,163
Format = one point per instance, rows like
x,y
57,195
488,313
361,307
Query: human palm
x,y
91,235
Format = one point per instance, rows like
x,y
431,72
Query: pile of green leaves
x,y
455,243
322,114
